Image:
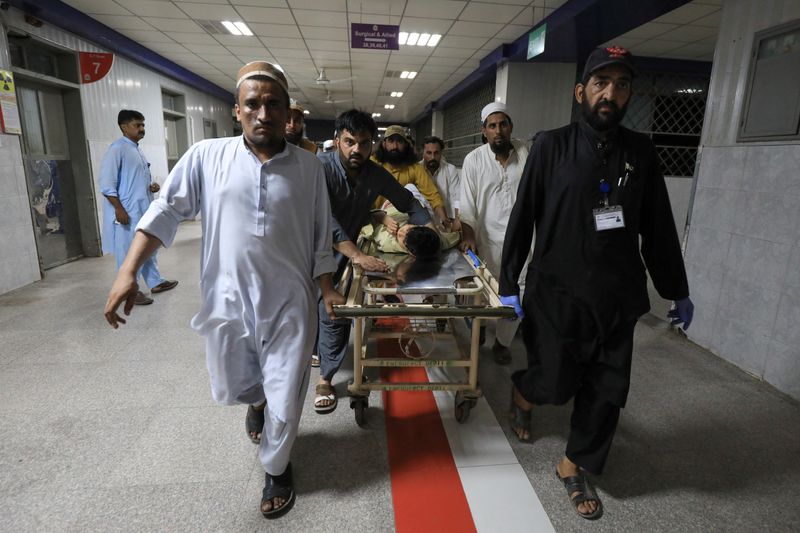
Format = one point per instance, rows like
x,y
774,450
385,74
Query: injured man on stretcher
x,y
391,232
412,253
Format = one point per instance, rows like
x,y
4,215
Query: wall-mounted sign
x,y
536,41
374,36
9,112
95,65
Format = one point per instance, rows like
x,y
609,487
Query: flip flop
x,y
583,492
325,392
278,487
254,423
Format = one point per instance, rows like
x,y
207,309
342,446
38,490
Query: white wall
x,y
538,95
128,85
743,251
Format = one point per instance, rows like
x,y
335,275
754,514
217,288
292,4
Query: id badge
x,y
610,217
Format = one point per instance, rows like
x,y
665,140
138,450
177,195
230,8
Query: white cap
x,y
327,144
493,107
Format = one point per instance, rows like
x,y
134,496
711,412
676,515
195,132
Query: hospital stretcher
x,y
420,304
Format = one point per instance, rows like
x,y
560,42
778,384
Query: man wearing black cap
x,y
593,189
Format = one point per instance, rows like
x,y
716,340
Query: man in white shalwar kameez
x,y
266,237
490,176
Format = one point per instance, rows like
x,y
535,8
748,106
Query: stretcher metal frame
x,y
476,299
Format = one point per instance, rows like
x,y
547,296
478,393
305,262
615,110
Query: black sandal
x,y
278,487
583,492
520,419
254,423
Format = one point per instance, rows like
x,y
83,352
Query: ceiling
x,y
688,32
304,36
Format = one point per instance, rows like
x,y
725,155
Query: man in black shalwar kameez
x,y
590,190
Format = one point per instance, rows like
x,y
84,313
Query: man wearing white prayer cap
x,y
266,256
489,179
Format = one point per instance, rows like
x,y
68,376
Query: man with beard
x,y
591,193
266,239
489,179
396,154
445,175
354,183
295,127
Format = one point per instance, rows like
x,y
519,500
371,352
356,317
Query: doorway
x,y
49,173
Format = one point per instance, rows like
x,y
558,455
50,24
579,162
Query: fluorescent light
x,y
376,115
243,28
404,74
396,94
306,112
231,27
412,75
403,37
412,38
389,106
381,129
434,40
423,39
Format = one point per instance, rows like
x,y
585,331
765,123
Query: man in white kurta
x,y
267,236
490,176
445,175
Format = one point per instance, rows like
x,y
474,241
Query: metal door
x,y
48,170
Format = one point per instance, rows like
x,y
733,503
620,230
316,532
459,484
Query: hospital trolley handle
x,y
475,260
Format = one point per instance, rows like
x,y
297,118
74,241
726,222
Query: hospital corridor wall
x,y
128,85
743,249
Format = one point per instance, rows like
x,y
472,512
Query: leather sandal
x,y
520,419
281,486
254,423
579,491
325,392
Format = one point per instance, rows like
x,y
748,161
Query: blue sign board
x,y
374,36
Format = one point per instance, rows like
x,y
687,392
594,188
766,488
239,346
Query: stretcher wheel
x,y
359,407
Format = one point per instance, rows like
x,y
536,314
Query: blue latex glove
x,y
513,301
682,313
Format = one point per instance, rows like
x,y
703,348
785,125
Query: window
x,y
772,100
29,54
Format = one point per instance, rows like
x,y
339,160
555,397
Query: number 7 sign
x,y
95,65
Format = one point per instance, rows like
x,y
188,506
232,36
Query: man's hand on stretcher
x,y
330,296
357,257
467,238
369,263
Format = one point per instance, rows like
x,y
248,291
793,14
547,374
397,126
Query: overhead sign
x,y
95,65
374,36
9,112
536,41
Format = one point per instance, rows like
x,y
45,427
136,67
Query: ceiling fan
x,y
324,81
329,99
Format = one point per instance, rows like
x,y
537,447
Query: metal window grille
x,y
462,123
670,109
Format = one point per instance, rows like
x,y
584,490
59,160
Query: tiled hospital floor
x,y
104,430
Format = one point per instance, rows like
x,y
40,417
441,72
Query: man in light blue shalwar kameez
x,y
126,183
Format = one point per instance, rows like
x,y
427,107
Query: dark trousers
x,y
332,339
591,367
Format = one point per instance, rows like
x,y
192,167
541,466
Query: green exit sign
x,y
536,41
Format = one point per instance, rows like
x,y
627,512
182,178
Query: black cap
x,y
603,57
